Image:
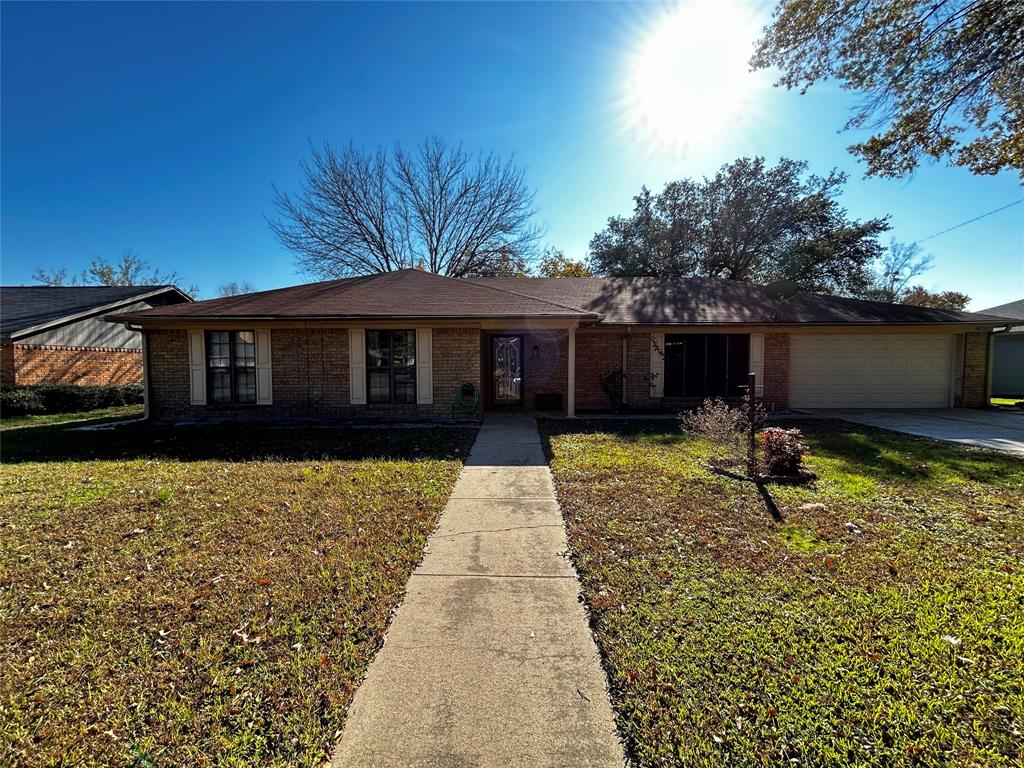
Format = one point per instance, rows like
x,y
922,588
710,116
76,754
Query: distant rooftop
x,y
24,307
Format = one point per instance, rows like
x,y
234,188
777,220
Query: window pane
x,y
403,348
405,385
379,388
716,375
218,349
245,348
220,385
739,362
696,351
245,385
378,352
675,348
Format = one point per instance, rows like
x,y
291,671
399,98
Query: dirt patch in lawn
x,y
881,625
179,597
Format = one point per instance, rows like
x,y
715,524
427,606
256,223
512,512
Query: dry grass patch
x,y
180,597
881,625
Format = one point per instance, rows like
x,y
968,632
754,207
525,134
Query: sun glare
x,y
688,80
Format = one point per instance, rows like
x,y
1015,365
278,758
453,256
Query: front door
x,y
507,365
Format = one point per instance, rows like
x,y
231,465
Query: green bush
x,y
20,401
66,398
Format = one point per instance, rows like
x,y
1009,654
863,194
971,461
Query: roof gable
x,y
24,307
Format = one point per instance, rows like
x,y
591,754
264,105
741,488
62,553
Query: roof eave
x,y
165,319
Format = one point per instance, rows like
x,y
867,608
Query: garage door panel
x,y
869,371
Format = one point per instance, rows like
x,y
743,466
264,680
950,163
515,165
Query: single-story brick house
x,y
57,335
1008,352
403,344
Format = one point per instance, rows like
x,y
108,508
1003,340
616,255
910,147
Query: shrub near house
x,y
62,398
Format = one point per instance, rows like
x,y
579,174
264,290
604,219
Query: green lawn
x,y
882,627
206,596
116,413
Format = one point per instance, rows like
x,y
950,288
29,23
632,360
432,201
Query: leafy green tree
x,y
554,263
940,78
748,222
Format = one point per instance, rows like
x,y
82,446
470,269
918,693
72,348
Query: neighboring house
x,y
1008,352
57,335
402,344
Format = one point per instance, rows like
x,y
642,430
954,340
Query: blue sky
x,y
162,127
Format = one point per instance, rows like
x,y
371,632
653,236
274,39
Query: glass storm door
x,y
507,353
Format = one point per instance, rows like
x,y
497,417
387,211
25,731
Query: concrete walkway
x,y
998,430
489,660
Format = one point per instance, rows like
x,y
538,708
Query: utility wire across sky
x,y
971,221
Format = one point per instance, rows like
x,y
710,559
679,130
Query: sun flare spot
x,y
688,80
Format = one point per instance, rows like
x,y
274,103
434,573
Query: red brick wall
x,y
776,371
311,377
597,355
168,372
975,382
6,364
638,371
549,371
53,364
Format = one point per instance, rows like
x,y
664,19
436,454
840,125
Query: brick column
x,y
776,371
975,381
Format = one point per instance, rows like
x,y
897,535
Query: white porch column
x,y
570,409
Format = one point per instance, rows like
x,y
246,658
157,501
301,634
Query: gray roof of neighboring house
x,y
25,307
411,293
1014,309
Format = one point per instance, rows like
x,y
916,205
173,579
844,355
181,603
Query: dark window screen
x,y
706,364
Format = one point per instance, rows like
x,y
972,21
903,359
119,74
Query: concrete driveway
x,y
999,430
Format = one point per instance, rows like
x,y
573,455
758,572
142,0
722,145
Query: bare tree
x,y
900,264
131,269
236,289
438,208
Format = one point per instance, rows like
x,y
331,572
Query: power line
x,y
971,221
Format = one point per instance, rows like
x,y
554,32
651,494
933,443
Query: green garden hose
x,y
468,399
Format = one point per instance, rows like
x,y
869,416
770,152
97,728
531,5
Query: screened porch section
x,y
699,365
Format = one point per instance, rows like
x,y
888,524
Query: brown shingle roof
x,y
713,301
410,293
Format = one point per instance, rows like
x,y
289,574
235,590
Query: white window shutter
x,y
264,373
757,362
197,366
424,366
357,366
657,365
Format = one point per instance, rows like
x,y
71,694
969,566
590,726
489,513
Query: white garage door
x,y
870,371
